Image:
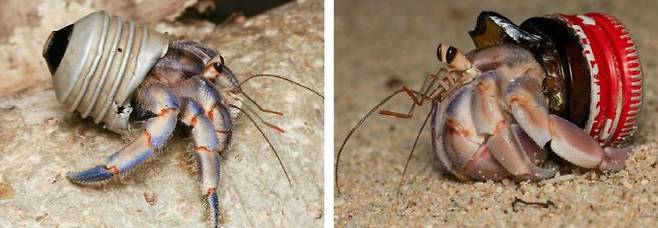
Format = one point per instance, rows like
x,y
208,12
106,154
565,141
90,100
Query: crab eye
x,y
453,57
446,53
438,53
450,54
219,66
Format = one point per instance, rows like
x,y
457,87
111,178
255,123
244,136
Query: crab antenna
x,y
241,91
359,124
271,125
282,78
268,142
258,105
411,153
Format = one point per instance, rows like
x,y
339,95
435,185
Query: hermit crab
x,y
117,73
498,110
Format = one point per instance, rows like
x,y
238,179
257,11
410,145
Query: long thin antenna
x,y
282,78
272,76
258,105
411,153
271,125
268,143
427,83
359,124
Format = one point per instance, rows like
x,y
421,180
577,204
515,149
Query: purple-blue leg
x,y
206,153
211,131
162,102
203,91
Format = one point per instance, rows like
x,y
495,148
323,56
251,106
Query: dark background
x,y
224,9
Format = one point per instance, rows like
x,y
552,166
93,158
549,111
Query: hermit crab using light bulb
x,y
107,69
497,111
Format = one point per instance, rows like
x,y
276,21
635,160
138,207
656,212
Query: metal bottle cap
x,y
98,62
615,73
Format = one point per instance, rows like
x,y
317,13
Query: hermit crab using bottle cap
x,y
117,72
567,84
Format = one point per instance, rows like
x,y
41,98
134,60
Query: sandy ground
x,y
40,141
382,44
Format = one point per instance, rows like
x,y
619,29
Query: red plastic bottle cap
x,y
616,76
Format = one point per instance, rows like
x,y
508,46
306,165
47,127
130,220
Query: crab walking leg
x,y
484,166
159,100
486,112
465,151
221,119
566,139
206,153
508,148
535,154
460,147
204,93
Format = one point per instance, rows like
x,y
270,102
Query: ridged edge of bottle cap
x,y
616,76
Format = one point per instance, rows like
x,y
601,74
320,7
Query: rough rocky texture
x,y
40,141
382,44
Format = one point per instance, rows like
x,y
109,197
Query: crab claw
x,y
573,144
566,139
576,146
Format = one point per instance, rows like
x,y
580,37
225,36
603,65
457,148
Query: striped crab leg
x,y
158,99
206,154
203,92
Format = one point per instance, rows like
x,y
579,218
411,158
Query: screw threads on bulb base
x,y
98,62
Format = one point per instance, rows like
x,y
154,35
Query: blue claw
x,y
213,209
98,173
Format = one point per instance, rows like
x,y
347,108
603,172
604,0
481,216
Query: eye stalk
x,y
452,57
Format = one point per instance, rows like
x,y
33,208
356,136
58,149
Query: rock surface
x,y
40,141
381,45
